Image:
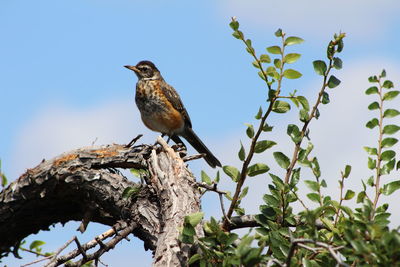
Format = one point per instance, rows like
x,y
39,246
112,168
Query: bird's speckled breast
x,y
156,111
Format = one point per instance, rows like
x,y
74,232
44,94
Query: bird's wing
x,y
176,102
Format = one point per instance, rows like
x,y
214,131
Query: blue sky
x,y
63,85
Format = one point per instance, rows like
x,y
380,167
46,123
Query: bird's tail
x,y
197,144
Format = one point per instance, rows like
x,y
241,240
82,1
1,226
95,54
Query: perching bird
x,y
162,109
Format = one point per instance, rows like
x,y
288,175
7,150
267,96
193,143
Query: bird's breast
x,y
157,112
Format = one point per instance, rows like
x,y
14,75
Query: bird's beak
x,y
133,68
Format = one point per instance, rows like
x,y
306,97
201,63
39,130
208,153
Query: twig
x,y
332,250
62,259
32,251
81,250
193,157
220,195
104,247
379,153
53,256
210,187
244,221
134,140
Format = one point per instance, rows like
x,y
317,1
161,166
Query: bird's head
x,y
145,70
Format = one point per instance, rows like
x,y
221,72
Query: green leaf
x,y
316,169
257,169
36,244
271,71
255,64
383,74
237,34
194,258
304,102
371,181
271,200
194,218
388,155
291,74
276,50
3,179
242,153
138,172
205,178
373,106
325,98
373,79
372,90
265,58
337,63
282,160
333,82
391,187
294,132
391,129
317,114
347,171
244,192
390,95
314,197
349,195
248,42
261,75
361,196
280,106
259,114
371,150
320,67
231,172
313,185
295,101
130,191
250,130
303,114
263,145
372,123
390,113
371,163
291,58
267,128
293,40
217,177
388,142
278,33
388,167
234,25
388,84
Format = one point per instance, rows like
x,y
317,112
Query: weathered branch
x,y
84,184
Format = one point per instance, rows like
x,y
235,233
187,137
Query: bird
x,y
162,109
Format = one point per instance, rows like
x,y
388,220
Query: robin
x,y
162,109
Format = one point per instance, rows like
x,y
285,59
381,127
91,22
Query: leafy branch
x,y
381,153
320,67
276,73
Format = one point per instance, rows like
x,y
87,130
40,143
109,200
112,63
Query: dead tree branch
x,y
84,185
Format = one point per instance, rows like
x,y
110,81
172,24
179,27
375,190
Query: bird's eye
x,y
143,68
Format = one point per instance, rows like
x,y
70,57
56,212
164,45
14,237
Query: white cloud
x,y
364,18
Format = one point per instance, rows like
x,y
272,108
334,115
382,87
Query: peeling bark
x,y
84,183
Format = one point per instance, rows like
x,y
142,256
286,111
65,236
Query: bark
x,y
85,184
